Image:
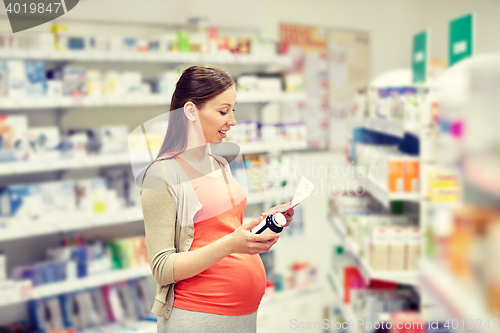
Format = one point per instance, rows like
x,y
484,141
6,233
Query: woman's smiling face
x,y
217,116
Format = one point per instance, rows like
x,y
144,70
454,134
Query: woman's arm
x,y
159,213
167,265
188,264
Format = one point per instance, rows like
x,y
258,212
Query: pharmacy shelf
x,y
382,194
144,57
389,127
401,277
75,221
345,308
42,102
460,301
336,285
409,278
275,147
291,293
257,97
340,228
386,126
36,103
93,281
50,164
99,161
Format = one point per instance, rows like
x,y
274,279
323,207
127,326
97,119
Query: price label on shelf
x,y
444,186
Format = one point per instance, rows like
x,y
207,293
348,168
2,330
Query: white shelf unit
x,y
346,310
48,165
479,171
267,147
152,56
69,222
379,192
99,161
459,301
78,221
401,277
134,214
384,196
93,281
386,126
37,103
393,78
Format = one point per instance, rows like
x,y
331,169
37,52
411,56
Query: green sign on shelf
x,y
420,56
461,44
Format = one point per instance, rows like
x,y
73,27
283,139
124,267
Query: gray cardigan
x,y
169,204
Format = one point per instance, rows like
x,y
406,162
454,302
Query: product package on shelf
x,y
366,306
60,197
22,202
102,140
43,143
385,241
73,81
116,308
13,138
31,79
396,104
78,259
93,197
245,132
128,252
468,248
36,84
393,170
255,174
299,275
191,39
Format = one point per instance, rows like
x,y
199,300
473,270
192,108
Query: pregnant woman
x,y
209,275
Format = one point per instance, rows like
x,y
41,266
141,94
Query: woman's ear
x,y
190,111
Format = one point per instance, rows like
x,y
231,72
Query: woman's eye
x,y
223,113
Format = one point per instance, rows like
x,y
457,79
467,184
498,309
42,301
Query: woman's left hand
x,y
288,214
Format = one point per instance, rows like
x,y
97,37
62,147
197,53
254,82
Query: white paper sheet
x,y
303,191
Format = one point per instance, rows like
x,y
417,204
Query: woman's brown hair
x,y
197,84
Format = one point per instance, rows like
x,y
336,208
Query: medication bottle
x,y
271,224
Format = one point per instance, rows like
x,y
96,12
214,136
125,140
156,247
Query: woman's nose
x,y
232,121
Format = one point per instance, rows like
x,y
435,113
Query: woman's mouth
x,y
223,134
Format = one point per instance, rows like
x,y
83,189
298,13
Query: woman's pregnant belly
x,y
233,286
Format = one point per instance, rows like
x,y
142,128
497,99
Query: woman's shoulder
x,y
155,175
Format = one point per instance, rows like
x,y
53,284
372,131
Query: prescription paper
x,y
303,191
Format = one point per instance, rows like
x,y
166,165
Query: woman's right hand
x,y
243,241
